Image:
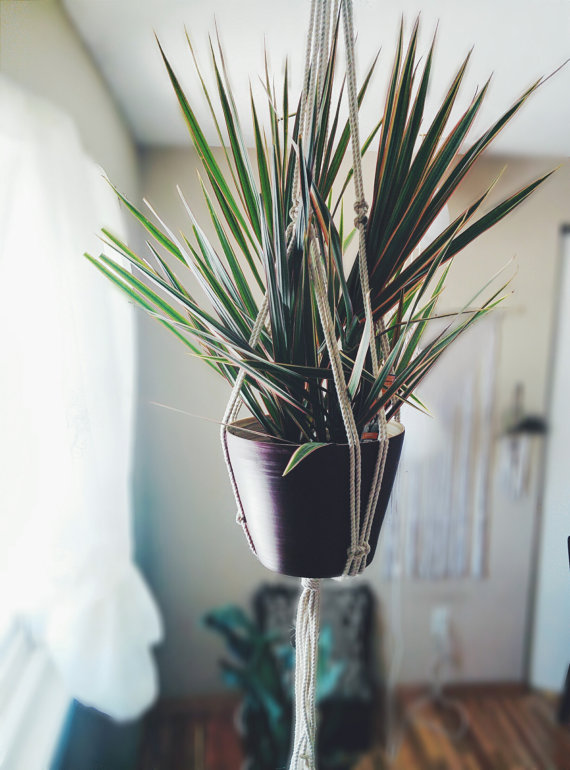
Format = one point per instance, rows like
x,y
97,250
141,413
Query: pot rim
x,y
241,429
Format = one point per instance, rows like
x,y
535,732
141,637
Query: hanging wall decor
x,y
440,528
325,360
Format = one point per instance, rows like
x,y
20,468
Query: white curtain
x,y
67,352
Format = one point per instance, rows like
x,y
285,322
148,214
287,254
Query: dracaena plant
x,y
261,239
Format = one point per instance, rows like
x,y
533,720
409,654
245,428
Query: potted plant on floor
x,y
279,224
258,667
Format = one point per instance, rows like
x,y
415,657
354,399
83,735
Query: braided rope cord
x,y
319,36
303,754
306,659
231,413
361,209
319,281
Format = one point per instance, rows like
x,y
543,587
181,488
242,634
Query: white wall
x,y
197,557
40,50
551,628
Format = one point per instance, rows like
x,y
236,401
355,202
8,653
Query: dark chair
x,y
346,714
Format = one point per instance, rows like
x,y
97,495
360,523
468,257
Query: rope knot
x,y
361,209
311,584
362,549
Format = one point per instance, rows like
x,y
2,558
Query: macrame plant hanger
x,y
323,17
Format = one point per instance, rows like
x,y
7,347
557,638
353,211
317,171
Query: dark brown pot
x,y
300,523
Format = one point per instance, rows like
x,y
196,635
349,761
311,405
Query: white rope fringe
x,y
303,756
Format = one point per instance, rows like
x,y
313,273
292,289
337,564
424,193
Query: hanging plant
x,y
338,342
268,215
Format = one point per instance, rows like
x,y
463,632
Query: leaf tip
x,y
302,451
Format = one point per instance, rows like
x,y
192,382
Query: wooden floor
x,y
192,734
501,728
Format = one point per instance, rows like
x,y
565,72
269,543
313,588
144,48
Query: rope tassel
x,y
303,756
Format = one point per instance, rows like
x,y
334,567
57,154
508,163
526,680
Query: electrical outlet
x,y
440,623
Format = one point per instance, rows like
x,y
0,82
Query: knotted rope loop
x,y
361,209
362,549
357,556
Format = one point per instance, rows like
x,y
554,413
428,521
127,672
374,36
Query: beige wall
x,y
40,50
491,617
197,558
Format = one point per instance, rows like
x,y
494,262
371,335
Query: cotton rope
x,y
303,756
231,414
306,658
357,559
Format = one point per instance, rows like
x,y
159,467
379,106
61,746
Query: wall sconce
x,y
518,442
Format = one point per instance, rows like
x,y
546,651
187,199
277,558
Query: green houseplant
x,y
268,211
339,340
259,665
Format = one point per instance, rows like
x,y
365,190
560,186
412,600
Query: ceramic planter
x,y
300,523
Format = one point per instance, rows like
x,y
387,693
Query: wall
x,y
40,50
197,558
493,617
